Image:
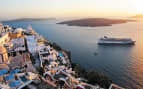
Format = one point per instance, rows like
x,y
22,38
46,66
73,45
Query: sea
x,y
123,64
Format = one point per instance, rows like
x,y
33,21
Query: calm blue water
x,y
123,64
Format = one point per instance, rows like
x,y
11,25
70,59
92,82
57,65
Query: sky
x,y
68,8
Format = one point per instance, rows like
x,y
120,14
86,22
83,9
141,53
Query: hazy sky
x,y
69,8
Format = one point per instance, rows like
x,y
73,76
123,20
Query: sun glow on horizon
x,y
70,8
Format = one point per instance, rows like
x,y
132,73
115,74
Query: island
x,y
94,22
28,19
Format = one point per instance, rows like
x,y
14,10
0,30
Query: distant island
x,y
94,22
28,19
138,16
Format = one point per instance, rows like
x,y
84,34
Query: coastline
x,y
97,78
33,41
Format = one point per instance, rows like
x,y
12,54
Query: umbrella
x,y
14,83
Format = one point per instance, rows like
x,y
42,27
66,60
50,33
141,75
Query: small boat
x,y
115,41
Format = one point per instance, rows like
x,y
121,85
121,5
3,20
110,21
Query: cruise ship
x,y
115,41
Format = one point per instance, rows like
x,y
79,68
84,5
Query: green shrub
x,y
92,76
